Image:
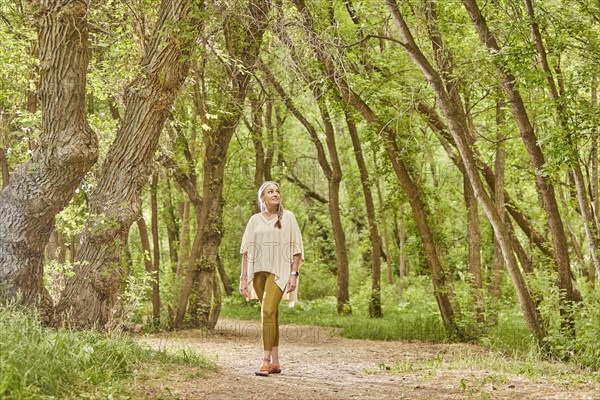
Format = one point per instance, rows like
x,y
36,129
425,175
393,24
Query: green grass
x,y
394,325
41,363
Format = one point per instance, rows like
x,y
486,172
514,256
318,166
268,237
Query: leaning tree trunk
x,y
43,186
90,297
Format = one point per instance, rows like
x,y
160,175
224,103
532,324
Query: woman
x,y
272,252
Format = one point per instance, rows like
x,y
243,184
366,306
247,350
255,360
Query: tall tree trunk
x,y
474,248
498,263
155,251
375,301
386,238
184,244
402,262
457,122
243,38
91,294
43,186
544,186
595,192
172,228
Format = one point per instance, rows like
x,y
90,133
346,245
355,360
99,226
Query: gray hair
x,y
263,207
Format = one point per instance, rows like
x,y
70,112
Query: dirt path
x,y
318,364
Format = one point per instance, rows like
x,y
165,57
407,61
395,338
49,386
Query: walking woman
x,y
272,253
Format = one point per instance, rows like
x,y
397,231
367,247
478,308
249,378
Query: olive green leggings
x,y
264,284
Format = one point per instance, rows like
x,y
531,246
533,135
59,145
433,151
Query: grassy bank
x,y
41,363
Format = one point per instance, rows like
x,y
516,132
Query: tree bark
x,y
43,186
375,301
545,188
91,294
457,123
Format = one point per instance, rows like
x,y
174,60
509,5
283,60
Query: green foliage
x,y
41,363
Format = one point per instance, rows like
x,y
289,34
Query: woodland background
x,y
440,157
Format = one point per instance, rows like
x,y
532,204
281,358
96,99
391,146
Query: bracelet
x,y
243,276
295,273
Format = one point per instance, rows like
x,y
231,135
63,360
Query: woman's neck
x,y
271,210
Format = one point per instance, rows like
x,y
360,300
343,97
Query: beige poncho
x,y
272,249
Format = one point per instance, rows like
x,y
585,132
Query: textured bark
x,y
375,301
544,186
43,186
450,103
243,38
91,294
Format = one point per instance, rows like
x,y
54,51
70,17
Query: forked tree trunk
x,y
41,187
457,123
375,301
91,294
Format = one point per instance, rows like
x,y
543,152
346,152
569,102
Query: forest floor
x,y
319,364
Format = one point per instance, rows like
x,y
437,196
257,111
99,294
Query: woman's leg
x,y
270,315
259,282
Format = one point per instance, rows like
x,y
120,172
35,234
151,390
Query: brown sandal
x,y
264,370
274,368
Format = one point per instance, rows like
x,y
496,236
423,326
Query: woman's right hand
x,y
244,287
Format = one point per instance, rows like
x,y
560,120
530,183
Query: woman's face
x,y
271,196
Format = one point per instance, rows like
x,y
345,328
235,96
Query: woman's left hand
x,y
291,285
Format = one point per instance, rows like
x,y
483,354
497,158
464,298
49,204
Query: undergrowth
x,y
41,363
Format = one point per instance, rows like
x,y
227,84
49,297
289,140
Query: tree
x,y
42,186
